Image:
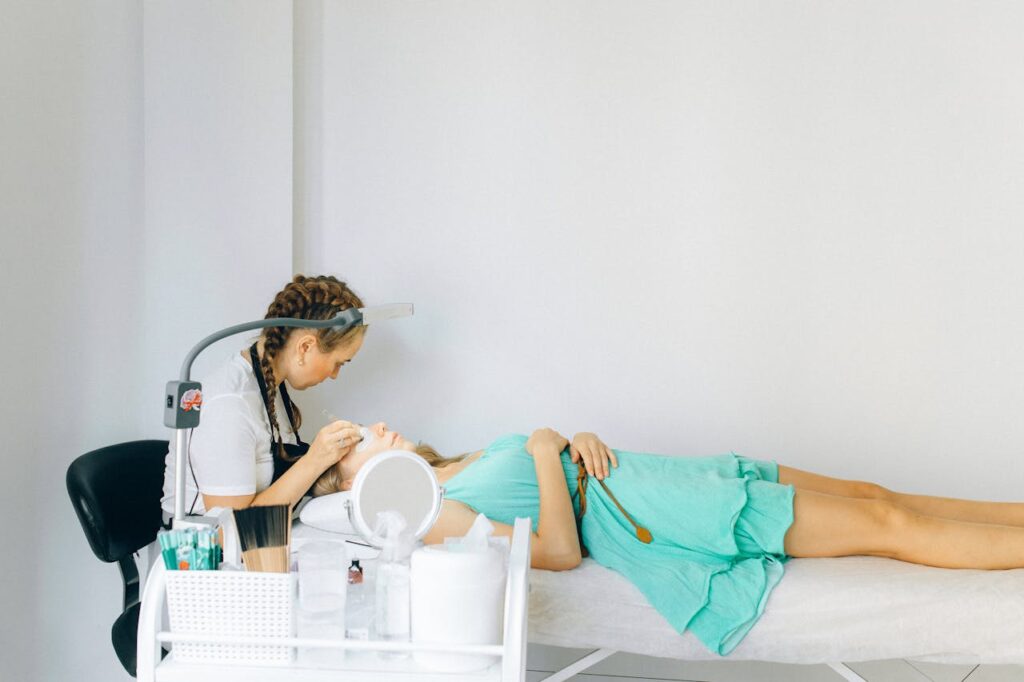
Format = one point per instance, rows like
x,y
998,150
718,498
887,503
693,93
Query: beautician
x,y
247,450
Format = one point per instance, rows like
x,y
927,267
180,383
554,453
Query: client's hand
x,y
546,440
334,442
594,453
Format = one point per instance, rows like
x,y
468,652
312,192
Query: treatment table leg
x,y
590,659
846,672
599,655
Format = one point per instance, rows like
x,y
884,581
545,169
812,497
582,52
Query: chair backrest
x,y
116,493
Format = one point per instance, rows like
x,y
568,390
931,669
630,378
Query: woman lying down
x,y
703,538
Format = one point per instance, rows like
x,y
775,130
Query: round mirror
x,y
397,480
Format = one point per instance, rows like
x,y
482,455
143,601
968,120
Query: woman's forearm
x,y
556,527
292,485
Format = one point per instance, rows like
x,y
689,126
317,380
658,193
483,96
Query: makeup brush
x,y
264,534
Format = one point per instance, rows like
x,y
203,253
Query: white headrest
x,y
328,513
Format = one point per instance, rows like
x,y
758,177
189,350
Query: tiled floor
x,y
542,660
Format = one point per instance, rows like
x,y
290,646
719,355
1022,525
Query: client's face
x,y
379,439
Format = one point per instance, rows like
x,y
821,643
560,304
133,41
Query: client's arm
x,y
556,527
555,546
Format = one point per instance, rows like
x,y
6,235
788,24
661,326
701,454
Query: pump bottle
x,y
392,582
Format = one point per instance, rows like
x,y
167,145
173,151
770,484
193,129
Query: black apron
x,y
293,451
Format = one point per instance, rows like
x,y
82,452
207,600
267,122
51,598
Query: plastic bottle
x,y
392,603
355,573
359,617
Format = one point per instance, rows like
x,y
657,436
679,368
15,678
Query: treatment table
x,y
824,611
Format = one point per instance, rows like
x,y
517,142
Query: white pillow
x,y
328,512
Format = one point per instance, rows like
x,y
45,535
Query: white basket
x,y
232,603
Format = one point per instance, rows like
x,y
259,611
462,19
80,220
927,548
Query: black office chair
x,y
116,493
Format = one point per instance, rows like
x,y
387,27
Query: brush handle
x,y
267,559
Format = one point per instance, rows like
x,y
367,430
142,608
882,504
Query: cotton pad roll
x,y
456,598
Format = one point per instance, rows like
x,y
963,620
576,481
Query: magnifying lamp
x,y
183,399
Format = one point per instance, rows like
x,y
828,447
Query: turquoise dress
x,y
718,524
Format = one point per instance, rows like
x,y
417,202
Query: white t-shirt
x,y
230,449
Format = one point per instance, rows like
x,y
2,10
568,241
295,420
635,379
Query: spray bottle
x,y
392,602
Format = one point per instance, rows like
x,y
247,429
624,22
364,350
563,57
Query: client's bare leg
x,y
1001,513
830,525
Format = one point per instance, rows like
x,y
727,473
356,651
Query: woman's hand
x,y
334,442
546,440
594,453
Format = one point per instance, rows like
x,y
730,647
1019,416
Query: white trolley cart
x,y
361,666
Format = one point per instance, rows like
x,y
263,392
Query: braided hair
x,y
305,298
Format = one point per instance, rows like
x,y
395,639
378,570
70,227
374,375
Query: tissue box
x,y
457,597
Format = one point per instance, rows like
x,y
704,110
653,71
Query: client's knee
x,y
894,525
872,491
829,525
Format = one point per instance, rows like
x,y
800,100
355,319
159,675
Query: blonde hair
x,y
330,480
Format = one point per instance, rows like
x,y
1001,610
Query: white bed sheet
x,y
824,610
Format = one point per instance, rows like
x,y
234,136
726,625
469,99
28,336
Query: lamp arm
x,y
346,319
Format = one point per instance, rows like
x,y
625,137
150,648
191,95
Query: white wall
x,y
218,111
70,212
792,230
121,245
